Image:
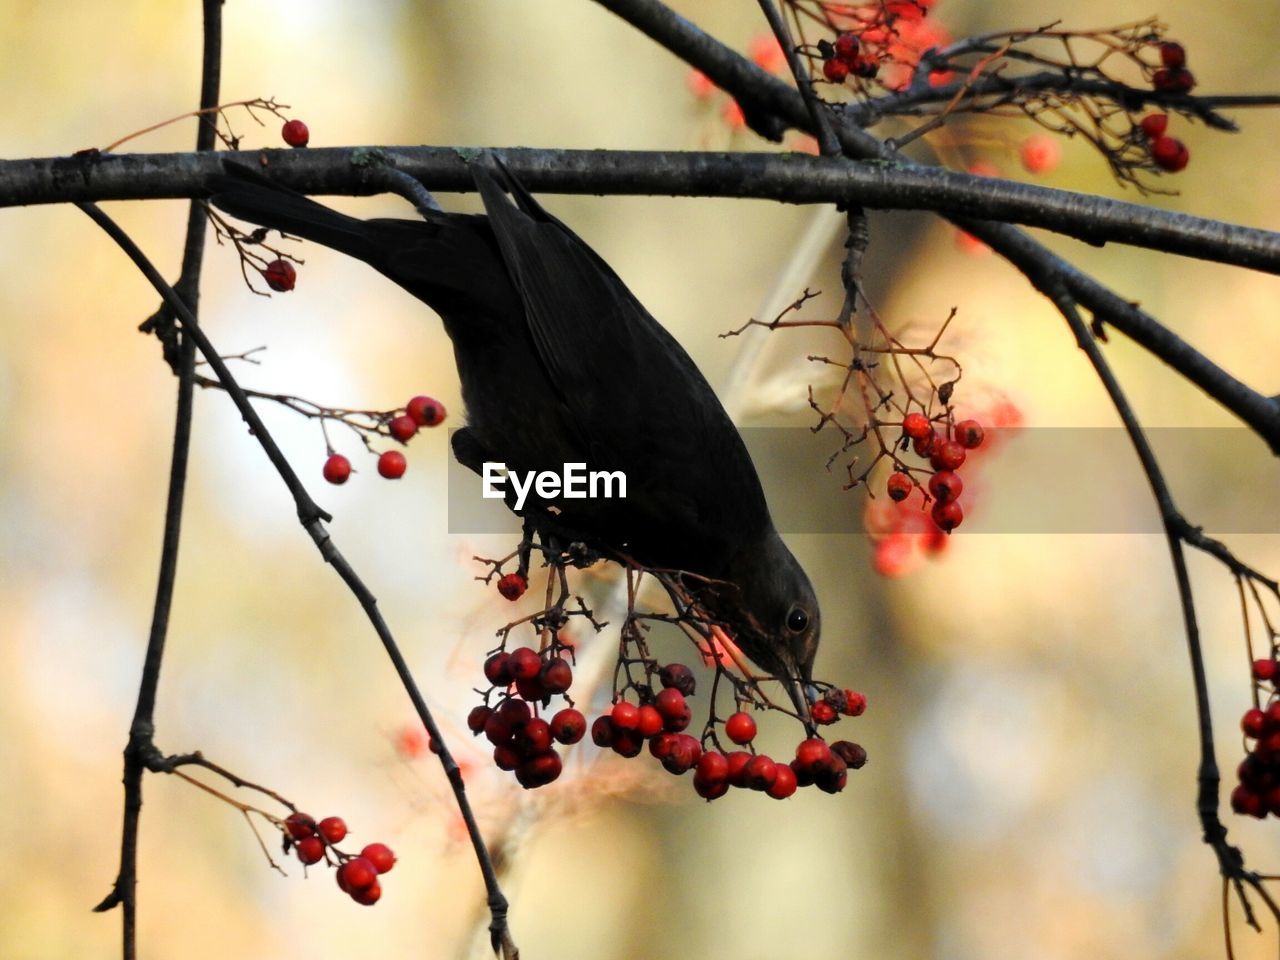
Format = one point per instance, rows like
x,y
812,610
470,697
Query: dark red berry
x,y
948,455
853,754
740,728
738,761
760,772
1253,723
1170,154
531,689
1173,80
660,747
970,434
380,855
497,669
539,770
299,826
525,663
866,67
478,717
837,71
713,767
812,754
684,756
533,738
832,776
514,713
337,468
557,675
923,446
295,133
627,743
945,485
333,829
680,677
1173,55
1245,801
671,703
899,486
392,464
947,516
403,427
568,726
846,47
368,896
512,586
602,731
1154,125
916,426
310,850
710,789
506,757
425,411
280,276
1264,670
784,782
497,730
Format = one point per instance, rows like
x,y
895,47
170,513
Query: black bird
x,y
560,363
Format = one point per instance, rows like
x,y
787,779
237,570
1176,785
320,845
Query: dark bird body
x,y
559,363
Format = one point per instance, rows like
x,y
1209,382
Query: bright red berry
x,y
368,896
916,426
392,464
1253,723
650,723
310,850
738,761
847,47
784,782
661,746
380,856
948,455
425,411
333,829
823,713
1264,669
945,485
899,486
812,754
403,427
740,728
970,434
300,826
358,873
625,716
1154,125
337,468
280,276
837,71
512,586
947,516
295,133
713,767
1170,154
760,772
1173,55
852,703
568,726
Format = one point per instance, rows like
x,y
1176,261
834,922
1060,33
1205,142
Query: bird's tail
x,y
247,195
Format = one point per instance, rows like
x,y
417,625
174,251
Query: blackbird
x,y
560,363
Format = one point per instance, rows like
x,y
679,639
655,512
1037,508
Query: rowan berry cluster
x,y
946,453
845,57
1168,153
419,412
1258,792
357,874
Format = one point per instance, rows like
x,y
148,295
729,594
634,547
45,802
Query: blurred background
x,y
1031,733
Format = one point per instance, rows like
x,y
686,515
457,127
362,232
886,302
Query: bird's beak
x,y
800,696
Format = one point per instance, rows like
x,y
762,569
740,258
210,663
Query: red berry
x,y
539,770
568,726
525,662
310,850
947,516
713,767
557,675
497,730
506,757
512,586
832,776
923,446
970,434
299,826
1173,80
1170,153
1247,802
497,669
425,411
945,485
738,761
531,689
823,713
916,426
369,895
671,703
680,677
403,427
625,716
847,47
661,746
899,486
1253,723
1173,55
337,468
358,873
708,789
280,276
627,743
380,856
478,717
514,713
784,782
685,754
812,754
866,67
852,703
295,133
533,738
837,71
1264,669
333,829
947,455
392,464
853,754
650,723
602,732
1154,125
1273,713
740,728
760,772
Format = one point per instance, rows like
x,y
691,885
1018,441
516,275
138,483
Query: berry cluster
x,y
1168,153
1258,792
945,454
357,874
1172,76
418,412
522,740
845,57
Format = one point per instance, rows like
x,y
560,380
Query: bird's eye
x,y
797,620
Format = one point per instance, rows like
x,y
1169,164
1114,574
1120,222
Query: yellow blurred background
x,y
1032,741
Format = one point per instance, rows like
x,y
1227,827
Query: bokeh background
x,y
1032,741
